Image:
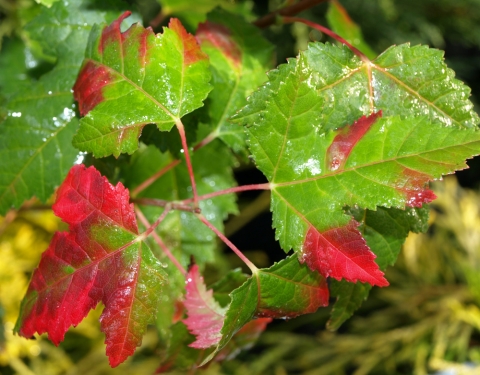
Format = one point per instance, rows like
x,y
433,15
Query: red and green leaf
x,y
133,78
100,259
205,316
319,159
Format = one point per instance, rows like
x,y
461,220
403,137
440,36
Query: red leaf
x,y
205,316
100,259
346,140
341,253
220,37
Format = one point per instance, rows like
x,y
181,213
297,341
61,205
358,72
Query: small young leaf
x,y
205,316
100,259
134,78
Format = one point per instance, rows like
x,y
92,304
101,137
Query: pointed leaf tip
x,y
341,253
205,316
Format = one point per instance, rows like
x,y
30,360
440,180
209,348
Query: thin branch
x,y
329,32
271,18
164,203
227,242
154,177
160,243
152,227
236,189
183,137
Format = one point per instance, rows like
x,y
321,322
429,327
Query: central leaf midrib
x,y
137,87
353,169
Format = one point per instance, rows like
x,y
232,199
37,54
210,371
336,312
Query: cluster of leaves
x,y
348,146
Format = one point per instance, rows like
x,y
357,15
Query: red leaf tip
x,y
341,253
220,37
192,52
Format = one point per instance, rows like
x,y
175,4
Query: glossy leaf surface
x,y
134,78
35,137
317,171
100,259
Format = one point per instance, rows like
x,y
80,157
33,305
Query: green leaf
x,y
53,25
341,23
285,290
134,78
35,138
47,3
223,287
350,297
239,58
315,172
13,65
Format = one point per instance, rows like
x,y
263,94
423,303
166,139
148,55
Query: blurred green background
x,y
426,322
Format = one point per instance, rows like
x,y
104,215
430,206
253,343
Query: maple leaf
x,y
135,78
316,132
100,259
205,316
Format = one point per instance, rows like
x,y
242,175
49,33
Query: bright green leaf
x,y
134,78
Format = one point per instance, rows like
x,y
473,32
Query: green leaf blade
x,y
317,171
134,78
